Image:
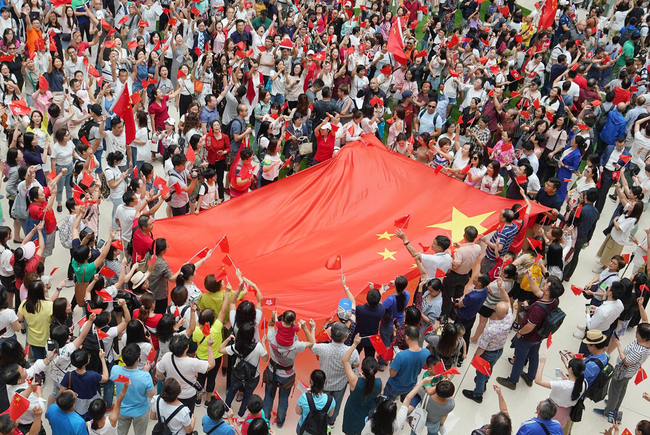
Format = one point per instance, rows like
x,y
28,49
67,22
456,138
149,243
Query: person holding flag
x,y
280,374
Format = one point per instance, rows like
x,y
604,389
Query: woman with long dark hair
x,y
247,352
99,424
61,314
395,305
36,309
389,416
566,392
137,333
364,390
448,346
34,155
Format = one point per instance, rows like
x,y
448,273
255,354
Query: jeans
x,y
432,428
64,183
249,387
525,350
116,202
392,393
277,99
139,424
481,380
274,385
338,396
98,155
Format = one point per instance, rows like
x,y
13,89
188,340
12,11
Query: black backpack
x,y
244,372
84,130
315,422
598,390
602,119
551,322
162,427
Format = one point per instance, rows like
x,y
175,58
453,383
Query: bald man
x,y
490,345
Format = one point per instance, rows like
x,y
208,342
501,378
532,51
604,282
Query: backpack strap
x,y
311,403
215,427
172,415
543,427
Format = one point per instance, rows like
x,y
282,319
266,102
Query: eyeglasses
x,y
474,158
431,106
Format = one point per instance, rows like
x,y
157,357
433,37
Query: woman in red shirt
x,y
146,315
324,142
218,146
158,108
241,173
40,209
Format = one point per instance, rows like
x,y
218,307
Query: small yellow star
x,y
413,266
385,235
388,254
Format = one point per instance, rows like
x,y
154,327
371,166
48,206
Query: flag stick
x,y
341,265
194,256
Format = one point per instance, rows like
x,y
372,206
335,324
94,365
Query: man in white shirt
x,y
438,261
116,139
641,146
74,64
606,315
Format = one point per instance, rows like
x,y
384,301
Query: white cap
x,y
327,126
170,121
310,52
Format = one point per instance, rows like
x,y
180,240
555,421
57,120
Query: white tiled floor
x,y
468,415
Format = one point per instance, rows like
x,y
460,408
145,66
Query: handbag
x,y
418,417
198,387
576,410
198,86
305,148
19,209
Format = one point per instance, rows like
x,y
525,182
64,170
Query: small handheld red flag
x,y
389,355
466,169
152,355
18,406
576,290
101,334
106,297
534,243
439,369
206,329
440,273
269,302
403,222
377,344
108,273
122,379
51,175
549,341
451,371
333,263
223,245
481,365
641,376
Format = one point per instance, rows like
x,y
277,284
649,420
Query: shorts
x,y
50,241
9,283
486,311
180,211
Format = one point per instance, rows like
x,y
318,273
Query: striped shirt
x,y
635,355
506,236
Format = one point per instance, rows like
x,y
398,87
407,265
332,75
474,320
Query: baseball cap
x,y
344,310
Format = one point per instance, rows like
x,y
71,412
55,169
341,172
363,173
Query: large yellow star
x,y
385,235
388,254
459,221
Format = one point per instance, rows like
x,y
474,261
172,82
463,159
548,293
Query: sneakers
x,y
579,335
470,395
506,382
527,380
69,283
197,402
598,269
581,327
600,412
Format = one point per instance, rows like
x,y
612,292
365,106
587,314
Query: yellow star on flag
x,y
459,221
385,235
388,254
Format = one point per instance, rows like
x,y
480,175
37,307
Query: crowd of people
x,y
138,104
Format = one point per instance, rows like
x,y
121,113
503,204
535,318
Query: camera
x,y
52,345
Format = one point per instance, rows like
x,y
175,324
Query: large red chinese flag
x,y
396,43
124,110
548,14
345,206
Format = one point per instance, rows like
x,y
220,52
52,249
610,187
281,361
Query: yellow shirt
x,y
527,33
214,301
215,333
38,323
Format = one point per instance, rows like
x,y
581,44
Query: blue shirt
x,y
223,429
135,402
207,116
533,427
506,237
391,306
591,368
319,402
472,302
408,365
65,423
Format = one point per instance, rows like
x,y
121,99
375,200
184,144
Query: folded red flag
x,y
387,70
439,369
206,329
536,103
152,355
122,379
101,334
440,273
286,162
177,188
616,175
640,376
389,355
403,222
534,243
521,179
117,244
333,263
227,260
18,406
579,356
377,343
451,371
135,99
595,103
576,290
108,273
203,253
466,169
625,158
578,211
481,365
